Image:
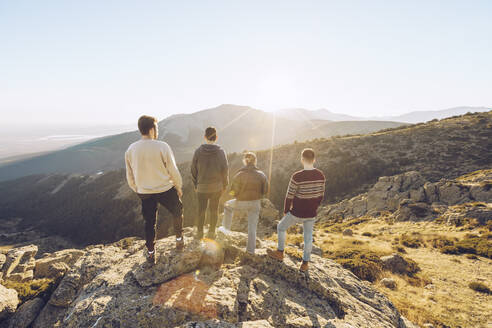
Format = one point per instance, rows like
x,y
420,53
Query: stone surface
x,y
395,263
18,261
102,290
8,302
56,264
26,313
347,232
388,283
408,197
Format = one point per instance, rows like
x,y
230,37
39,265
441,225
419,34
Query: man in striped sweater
x,y
304,195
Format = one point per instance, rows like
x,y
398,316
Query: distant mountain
x,y
424,116
239,128
318,114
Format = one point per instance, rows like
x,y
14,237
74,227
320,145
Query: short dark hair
x,y
211,133
308,154
145,123
249,157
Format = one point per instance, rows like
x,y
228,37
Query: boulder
x,y
8,302
410,211
398,264
388,283
347,232
482,192
26,313
19,260
56,264
170,263
3,258
246,291
451,193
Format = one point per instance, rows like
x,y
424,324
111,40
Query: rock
x,y
66,291
19,260
451,193
8,302
170,263
431,192
408,324
398,264
410,211
482,192
21,276
3,258
428,325
347,232
388,283
315,250
26,313
246,291
223,324
56,264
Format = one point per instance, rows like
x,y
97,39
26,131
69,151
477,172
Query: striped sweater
x,y
305,193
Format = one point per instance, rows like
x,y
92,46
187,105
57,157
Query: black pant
x,y
212,199
170,200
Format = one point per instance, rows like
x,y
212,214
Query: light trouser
x,y
308,224
252,207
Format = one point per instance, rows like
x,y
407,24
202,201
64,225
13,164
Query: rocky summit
x,y
211,283
410,197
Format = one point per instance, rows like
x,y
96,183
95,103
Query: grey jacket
x,y
249,183
209,169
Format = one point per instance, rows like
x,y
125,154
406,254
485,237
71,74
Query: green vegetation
x,y
479,287
471,244
32,289
411,241
363,263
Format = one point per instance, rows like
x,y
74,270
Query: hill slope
x,y
239,128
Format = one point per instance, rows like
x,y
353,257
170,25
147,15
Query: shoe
x,y
151,258
180,243
276,254
304,266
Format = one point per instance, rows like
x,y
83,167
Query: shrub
x,y
32,289
412,242
479,287
400,249
367,234
364,264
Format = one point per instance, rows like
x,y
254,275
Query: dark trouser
x,y
170,200
212,199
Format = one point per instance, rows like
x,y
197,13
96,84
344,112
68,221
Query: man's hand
x,y
180,193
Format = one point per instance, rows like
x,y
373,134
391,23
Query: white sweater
x,y
151,167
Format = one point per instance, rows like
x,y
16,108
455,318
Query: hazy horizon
x,y
91,62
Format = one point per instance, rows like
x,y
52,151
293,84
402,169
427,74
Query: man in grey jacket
x,y
210,176
249,186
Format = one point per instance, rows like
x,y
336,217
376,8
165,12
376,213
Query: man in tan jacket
x,y
152,173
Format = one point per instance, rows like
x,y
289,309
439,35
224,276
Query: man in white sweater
x,y
152,173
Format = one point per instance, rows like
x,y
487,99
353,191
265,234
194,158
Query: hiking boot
x,y
180,243
151,258
304,266
276,254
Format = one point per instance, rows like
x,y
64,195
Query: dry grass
x,y
440,293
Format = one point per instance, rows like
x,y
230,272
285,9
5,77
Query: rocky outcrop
x,y
111,286
409,197
19,264
56,264
398,264
8,302
26,313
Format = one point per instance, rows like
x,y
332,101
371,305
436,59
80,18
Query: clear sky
x,y
110,61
